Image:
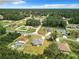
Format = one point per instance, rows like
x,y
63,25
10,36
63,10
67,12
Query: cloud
x,y
12,1
60,6
9,0
18,2
55,6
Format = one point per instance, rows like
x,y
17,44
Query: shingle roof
x,y
37,41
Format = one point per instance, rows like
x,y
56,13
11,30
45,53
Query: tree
x,y
63,24
54,34
52,21
52,51
32,22
2,30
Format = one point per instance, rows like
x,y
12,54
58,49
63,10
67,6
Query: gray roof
x,y
61,31
18,43
48,29
73,25
37,41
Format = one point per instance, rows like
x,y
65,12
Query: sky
x,y
39,4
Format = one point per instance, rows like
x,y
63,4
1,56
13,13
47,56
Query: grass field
x,y
42,31
30,30
6,22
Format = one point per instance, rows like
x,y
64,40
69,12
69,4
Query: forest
x,y
17,14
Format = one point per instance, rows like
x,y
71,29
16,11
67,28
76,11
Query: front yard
x,y
34,49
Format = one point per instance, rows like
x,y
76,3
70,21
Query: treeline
x,y
17,14
11,14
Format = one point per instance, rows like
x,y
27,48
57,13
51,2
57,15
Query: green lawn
x,y
42,31
26,30
22,27
11,28
30,30
5,22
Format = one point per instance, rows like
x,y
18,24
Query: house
x,y
20,42
73,26
77,26
62,31
48,29
38,42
